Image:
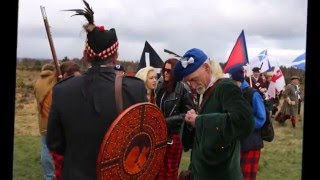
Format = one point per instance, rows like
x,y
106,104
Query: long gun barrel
x,y
170,52
53,51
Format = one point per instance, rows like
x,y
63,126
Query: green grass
x,y
282,159
26,160
279,160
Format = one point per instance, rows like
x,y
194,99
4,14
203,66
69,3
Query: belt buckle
x,y
170,141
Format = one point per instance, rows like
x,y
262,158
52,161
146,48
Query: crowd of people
x,y
215,116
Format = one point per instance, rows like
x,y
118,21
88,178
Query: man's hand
x,y
190,117
292,103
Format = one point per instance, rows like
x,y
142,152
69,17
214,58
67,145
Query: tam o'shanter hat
x,y
100,43
236,73
189,63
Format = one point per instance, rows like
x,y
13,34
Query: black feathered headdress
x,y
100,43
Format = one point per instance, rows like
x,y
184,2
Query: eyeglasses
x,y
166,70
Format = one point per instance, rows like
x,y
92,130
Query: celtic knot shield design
x,y
134,145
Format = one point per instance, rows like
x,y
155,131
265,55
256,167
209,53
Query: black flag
x,y
154,58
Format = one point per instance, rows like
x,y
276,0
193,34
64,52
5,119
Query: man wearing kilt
x,y
250,145
84,107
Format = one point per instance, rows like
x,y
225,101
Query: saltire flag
x,y
149,57
261,61
277,83
299,62
238,55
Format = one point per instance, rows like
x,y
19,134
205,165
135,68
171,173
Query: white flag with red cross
x,y
277,83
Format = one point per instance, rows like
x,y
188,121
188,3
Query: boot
x,y
293,124
293,121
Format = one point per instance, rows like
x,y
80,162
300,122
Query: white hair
x,y
216,70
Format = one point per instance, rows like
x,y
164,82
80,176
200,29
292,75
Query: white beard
x,y
201,89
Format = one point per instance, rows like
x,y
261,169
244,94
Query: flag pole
x,y
250,77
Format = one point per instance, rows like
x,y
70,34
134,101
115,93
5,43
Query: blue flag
x,y
299,62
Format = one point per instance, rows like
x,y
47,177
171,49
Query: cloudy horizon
x,y
213,26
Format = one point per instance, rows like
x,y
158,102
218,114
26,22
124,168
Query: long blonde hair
x,y
143,75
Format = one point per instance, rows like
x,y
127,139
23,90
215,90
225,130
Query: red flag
x,y
239,54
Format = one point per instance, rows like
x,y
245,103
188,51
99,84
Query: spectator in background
x,y
174,99
291,96
270,102
252,144
43,94
257,81
69,68
149,77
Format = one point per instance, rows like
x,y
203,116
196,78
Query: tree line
x,y
36,64
131,66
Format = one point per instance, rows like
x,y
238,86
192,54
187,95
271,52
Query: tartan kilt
x,y
58,162
172,158
249,161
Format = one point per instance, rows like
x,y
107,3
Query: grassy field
x,y
280,159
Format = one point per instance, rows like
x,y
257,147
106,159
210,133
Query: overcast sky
x,y
178,25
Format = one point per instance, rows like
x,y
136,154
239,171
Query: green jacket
x,y
224,118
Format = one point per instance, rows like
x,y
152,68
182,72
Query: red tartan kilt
x,y
249,161
172,158
58,162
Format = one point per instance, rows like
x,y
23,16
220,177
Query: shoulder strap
x,y
207,94
118,93
248,94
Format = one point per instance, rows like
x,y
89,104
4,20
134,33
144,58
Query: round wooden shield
x,y
135,144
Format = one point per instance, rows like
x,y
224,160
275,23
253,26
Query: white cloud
x,y
279,26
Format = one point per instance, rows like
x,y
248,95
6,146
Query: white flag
x,y
261,61
247,70
277,83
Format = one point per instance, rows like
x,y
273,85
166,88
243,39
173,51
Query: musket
x,y
170,52
53,51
